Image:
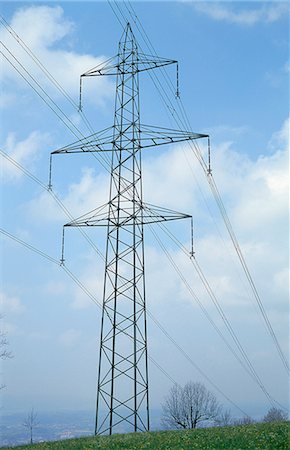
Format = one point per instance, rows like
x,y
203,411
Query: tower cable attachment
x,y
192,252
80,95
177,95
62,248
209,171
49,187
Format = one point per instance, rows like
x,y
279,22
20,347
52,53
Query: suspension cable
x,y
79,283
36,82
222,314
249,368
195,148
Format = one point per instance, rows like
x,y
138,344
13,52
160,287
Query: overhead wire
x,y
22,66
37,61
183,112
80,284
31,85
53,195
93,298
29,246
114,12
248,274
34,178
160,87
209,176
249,366
48,100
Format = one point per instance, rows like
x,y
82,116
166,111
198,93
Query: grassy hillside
x,y
259,436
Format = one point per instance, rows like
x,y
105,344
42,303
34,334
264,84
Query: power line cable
x,y
52,104
29,246
53,195
116,15
222,314
80,284
37,61
195,148
40,95
247,272
92,297
77,281
169,83
249,368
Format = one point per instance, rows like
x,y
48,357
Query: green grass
x,y
258,436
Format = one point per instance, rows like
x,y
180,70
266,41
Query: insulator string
x,y
80,99
62,248
50,173
208,151
192,248
177,81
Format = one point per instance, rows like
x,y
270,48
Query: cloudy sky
x,y
234,78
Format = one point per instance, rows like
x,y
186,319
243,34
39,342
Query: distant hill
x,y
266,436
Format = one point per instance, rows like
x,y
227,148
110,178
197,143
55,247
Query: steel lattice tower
x,y
122,390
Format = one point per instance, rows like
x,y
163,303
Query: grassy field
x,y
258,436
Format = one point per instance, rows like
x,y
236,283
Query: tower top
x,y
128,41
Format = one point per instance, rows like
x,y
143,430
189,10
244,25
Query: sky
x,y
234,85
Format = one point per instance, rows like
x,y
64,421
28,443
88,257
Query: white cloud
x,y
55,287
41,27
168,179
10,305
82,197
38,36
79,199
230,132
287,67
265,195
280,139
256,197
9,328
281,280
276,77
92,277
25,152
255,193
69,337
7,99
241,15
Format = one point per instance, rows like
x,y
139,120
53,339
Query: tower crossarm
x,y
144,214
112,65
108,139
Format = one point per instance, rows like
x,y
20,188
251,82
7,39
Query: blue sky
x,y
234,82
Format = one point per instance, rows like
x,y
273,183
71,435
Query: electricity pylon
x,y
122,390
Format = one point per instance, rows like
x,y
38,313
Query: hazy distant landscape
x,y
266,436
53,426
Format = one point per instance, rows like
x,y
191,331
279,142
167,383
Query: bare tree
x,y
4,352
224,419
189,406
30,423
246,420
275,415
